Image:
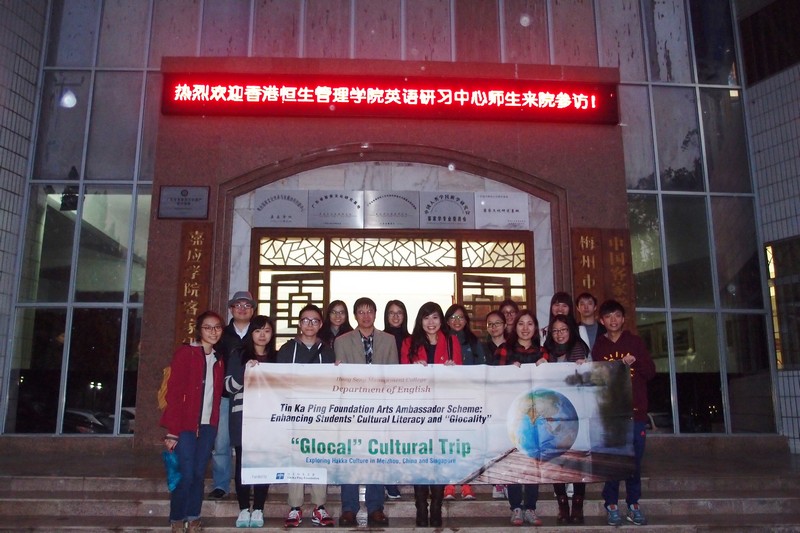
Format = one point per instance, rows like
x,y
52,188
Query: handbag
x,y
172,468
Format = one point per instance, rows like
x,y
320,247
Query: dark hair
x,y
610,306
418,336
404,325
561,298
364,301
325,333
585,296
508,301
249,347
469,336
199,322
502,319
310,307
511,340
572,326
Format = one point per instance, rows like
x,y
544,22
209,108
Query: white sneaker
x,y
516,517
257,518
499,492
244,518
529,517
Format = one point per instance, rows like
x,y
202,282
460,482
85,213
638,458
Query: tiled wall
x,y
21,28
774,120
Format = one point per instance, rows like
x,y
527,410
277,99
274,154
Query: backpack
x,y
162,390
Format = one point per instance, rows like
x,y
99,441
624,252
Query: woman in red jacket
x,y
194,391
430,343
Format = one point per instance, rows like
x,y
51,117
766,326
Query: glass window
x,y
678,139
651,328
714,51
36,371
226,26
637,136
59,148
73,29
621,42
696,352
131,372
103,249
142,230
123,33
49,239
667,40
175,24
114,127
784,272
152,111
646,250
92,373
688,256
723,130
738,271
749,379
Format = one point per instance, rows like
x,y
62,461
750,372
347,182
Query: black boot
x,y
421,502
577,510
437,495
563,509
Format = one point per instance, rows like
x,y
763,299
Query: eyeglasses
x,y
509,313
211,328
311,321
365,312
456,318
395,313
495,324
243,306
559,331
338,312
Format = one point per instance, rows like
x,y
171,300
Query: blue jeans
x,y
373,497
515,496
193,454
633,485
221,465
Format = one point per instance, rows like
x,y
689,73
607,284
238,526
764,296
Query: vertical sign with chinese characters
x,y
194,278
601,265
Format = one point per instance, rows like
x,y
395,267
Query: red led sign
x,y
400,97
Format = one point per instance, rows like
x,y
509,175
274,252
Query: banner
x,y
411,424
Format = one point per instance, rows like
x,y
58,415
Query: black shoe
x,y
217,494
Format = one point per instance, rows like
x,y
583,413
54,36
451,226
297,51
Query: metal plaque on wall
x,y
389,210
501,210
280,209
183,202
336,209
447,210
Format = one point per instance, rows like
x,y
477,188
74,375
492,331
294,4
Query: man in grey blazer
x,y
365,345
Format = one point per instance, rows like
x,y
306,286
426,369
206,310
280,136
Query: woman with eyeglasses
x,y
495,336
509,309
395,321
194,392
307,347
430,343
258,346
564,345
336,322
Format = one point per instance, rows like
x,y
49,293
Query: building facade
x,y
700,171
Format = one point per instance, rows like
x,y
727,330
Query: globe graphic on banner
x,y
543,424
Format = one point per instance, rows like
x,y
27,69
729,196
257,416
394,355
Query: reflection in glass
x,y
723,131
142,230
688,256
36,371
123,33
694,341
622,20
59,147
48,243
651,328
93,369
714,51
738,270
115,123
667,40
749,380
678,139
646,250
72,33
637,136
131,371
104,245
783,259
152,105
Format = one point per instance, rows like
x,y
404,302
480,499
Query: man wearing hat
x,y
242,307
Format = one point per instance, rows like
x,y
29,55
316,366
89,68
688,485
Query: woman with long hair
x,y
495,335
509,309
430,343
564,345
194,392
258,346
395,322
523,347
335,323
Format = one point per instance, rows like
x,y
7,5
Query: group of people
x,y
206,390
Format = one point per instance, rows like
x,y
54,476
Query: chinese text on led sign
x,y
339,96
